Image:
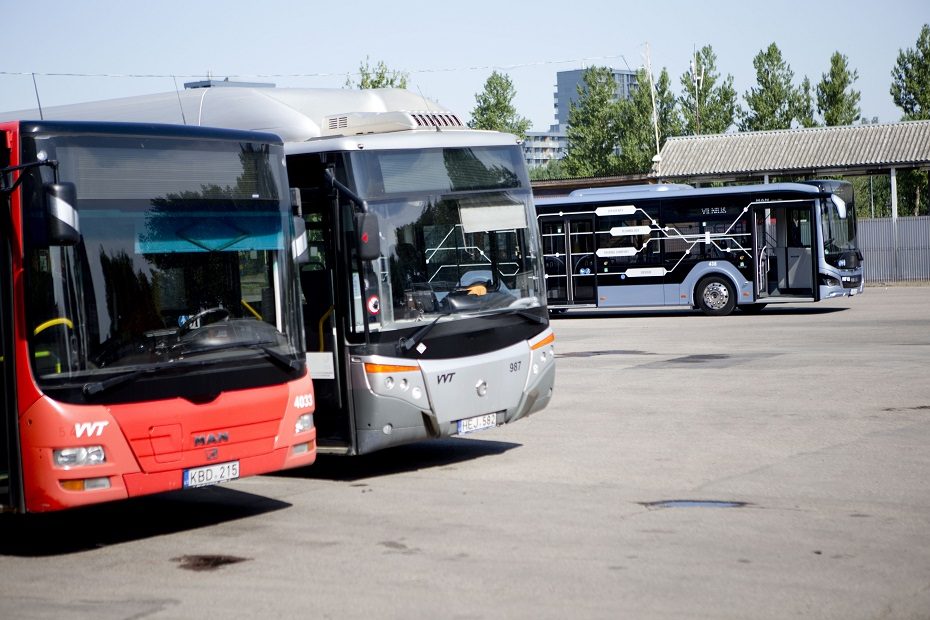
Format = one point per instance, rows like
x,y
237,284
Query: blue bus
x,y
713,249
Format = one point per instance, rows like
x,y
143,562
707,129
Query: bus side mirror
x,y
367,236
840,205
299,246
62,216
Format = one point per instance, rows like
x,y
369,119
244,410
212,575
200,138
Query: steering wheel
x,y
187,325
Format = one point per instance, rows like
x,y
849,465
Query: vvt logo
x,y
446,378
90,429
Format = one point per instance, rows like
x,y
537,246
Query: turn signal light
x,y
86,484
547,340
373,368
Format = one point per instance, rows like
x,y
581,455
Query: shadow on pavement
x,y
412,457
101,525
613,313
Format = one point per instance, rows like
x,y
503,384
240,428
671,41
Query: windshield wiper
x,y
405,344
286,362
98,387
529,316
521,312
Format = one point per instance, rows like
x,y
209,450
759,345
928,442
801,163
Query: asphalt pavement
x,y
762,466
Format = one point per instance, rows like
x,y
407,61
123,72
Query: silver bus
x,y
714,249
424,298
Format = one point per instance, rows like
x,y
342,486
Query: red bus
x,y
150,329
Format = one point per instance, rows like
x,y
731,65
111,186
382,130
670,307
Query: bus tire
x,y
715,296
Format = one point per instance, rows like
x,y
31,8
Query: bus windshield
x,y
839,229
455,235
184,258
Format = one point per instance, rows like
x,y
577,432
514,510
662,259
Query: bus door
x,y
9,453
568,250
784,235
322,327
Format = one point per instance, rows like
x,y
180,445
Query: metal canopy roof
x,y
854,149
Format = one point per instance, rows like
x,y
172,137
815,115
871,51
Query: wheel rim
x,y
716,296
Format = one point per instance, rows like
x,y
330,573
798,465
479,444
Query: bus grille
x,y
852,281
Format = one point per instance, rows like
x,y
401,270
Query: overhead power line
x,y
313,75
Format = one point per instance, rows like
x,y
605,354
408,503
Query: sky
x,y
84,50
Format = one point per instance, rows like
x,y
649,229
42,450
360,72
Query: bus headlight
x,y
304,423
76,457
826,280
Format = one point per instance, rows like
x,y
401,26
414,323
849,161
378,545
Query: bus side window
x,y
799,229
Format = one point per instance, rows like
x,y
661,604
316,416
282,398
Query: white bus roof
x,y
627,189
361,118
641,192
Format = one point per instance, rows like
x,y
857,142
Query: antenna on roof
x,y
36,87
698,82
183,120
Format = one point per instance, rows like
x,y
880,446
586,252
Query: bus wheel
x,y
715,296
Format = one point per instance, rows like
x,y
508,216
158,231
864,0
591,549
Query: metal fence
x,y
895,250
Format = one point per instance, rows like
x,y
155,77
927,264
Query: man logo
x,y
212,438
303,401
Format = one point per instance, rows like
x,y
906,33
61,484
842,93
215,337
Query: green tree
x,y
773,103
873,195
706,107
804,104
592,126
910,88
669,113
912,192
637,126
378,76
554,169
910,79
837,102
494,109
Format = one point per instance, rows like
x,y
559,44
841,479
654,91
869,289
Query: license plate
x,y
211,474
470,425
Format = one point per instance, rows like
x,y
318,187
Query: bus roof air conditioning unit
x,y
357,123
